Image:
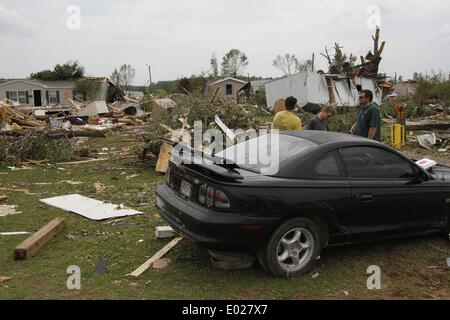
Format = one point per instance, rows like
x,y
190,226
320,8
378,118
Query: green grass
x,y
190,275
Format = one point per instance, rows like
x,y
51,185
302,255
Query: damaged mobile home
x,y
339,87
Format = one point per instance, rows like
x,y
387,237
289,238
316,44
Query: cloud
x,y
178,37
12,24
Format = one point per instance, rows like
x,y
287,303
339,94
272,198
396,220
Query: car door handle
x,y
366,198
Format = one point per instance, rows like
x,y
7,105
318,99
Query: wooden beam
x,y
33,244
139,271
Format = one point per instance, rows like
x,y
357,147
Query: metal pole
x,y
150,77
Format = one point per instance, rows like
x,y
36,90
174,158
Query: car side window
x,y
327,166
375,163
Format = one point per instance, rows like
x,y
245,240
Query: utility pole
x,y
150,76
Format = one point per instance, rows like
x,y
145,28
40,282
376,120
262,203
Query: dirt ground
x,y
413,268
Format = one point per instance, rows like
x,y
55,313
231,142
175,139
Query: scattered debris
x,y
14,190
161,263
426,163
94,108
20,233
231,261
437,248
164,232
33,244
4,278
149,263
427,140
73,183
316,275
82,162
99,188
89,208
101,267
6,210
448,262
3,198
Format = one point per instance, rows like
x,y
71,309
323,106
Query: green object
x,y
368,118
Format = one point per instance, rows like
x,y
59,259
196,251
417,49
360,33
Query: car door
x,y
333,197
387,197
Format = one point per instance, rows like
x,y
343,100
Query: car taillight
x,y
221,200
202,194
209,196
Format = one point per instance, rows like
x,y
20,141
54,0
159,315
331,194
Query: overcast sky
x,y
178,37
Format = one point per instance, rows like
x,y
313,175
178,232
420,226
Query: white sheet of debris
x,y
89,208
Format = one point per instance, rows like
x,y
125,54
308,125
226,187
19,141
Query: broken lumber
x,y
139,271
33,244
14,190
81,162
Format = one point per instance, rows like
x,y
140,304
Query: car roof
x,y
326,137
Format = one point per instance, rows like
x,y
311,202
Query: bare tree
x,y
287,63
233,63
127,75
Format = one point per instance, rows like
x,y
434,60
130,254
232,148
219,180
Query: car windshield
x,y
264,154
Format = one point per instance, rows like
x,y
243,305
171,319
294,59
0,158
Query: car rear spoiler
x,y
219,166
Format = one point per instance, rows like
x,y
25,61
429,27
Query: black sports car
x,y
330,189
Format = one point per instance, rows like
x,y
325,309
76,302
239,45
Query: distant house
x,y
229,88
405,89
258,85
37,93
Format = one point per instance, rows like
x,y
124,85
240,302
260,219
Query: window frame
x,y
413,169
231,89
341,168
55,92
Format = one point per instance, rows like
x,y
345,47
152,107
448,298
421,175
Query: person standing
x,y
287,120
319,122
368,120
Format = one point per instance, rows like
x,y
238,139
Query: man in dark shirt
x,y
319,122
368,120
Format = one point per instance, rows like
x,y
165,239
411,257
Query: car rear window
x,y
264,154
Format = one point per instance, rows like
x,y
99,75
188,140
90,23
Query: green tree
x,y
233,63
70,70
115,78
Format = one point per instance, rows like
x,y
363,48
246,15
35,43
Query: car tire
x,y
293,248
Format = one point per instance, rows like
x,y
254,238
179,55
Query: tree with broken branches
x,y
340,62
233,63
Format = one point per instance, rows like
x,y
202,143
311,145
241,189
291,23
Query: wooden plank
x,y
14,190
81,162
164,157
31,246
139,271
3,198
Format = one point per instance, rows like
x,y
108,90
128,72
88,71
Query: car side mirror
x,y
423,176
